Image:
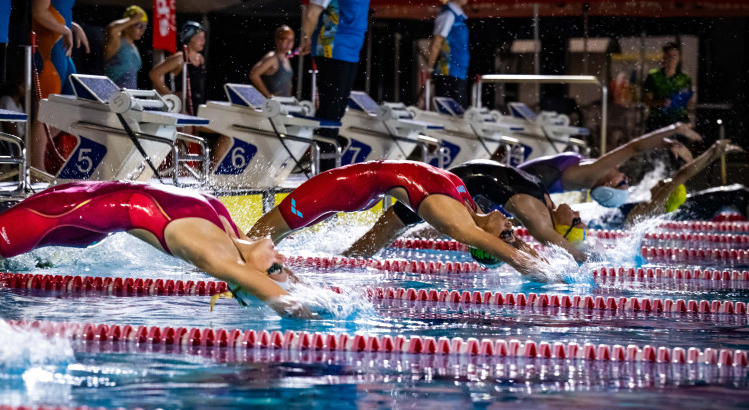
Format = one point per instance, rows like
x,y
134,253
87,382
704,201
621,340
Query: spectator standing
x,y
668,91
56,34
52,20
333,32
121,56
448,52
272,75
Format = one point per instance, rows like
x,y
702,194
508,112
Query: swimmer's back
x,y
498,182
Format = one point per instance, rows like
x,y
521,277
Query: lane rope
x,y
419,345
150,287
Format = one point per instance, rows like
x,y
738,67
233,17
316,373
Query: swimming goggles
x,y
575,221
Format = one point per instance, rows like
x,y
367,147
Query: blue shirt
x,y
454,57
65,8
4,20
340,30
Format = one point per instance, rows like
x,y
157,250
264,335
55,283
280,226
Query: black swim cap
x,y
189,30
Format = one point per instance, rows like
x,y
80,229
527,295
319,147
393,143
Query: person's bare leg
x,y
219,149
383,232
271,224
37,146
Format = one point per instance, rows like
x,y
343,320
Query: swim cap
x,y
609,197
483,257
677,198
574,235
133,10
189,30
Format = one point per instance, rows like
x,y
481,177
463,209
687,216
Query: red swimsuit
x,y
81,213
358,187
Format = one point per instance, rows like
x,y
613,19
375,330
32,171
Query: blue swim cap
x,y
609,197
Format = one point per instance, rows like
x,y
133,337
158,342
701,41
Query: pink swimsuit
x,y
358,187
81,213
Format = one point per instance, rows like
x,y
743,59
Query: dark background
x,y
238,36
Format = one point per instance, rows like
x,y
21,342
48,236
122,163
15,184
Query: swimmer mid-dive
x,y
608,186
669,194
436,195
493,186
188,225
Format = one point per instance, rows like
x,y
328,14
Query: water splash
x,y
24,349
119,254
349,305
556,266
601,217
331,237
641,191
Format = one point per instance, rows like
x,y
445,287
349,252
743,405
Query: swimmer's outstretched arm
x,y
201,243
453,219
661,192
585,175
535,216
387,228
545,233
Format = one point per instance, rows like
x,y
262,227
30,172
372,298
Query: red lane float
x,y
729,217
610,303
705,226
4,407
110,285
387,265
707,239
149,287
652,253
670,273
715,238
452,245
290,340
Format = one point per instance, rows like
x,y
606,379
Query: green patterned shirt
x,y
677,88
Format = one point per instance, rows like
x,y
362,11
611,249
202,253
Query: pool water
x,y
36,370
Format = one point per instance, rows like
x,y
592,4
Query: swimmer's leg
x,y
387,228
271,224
22,230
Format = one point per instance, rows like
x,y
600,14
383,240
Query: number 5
x,y
83,159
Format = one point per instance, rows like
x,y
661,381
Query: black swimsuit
x,y
490,183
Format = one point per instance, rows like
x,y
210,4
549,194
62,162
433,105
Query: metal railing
x,y
550,79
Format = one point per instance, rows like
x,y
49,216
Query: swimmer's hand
x,y
725,146
542,277
261,254
679,150
291,275
287,306
686,130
